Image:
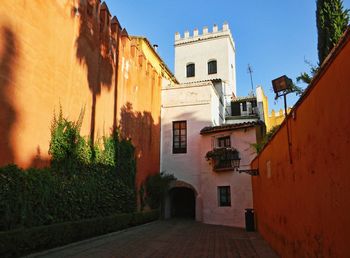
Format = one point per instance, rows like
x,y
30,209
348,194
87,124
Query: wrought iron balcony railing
x,y
223,159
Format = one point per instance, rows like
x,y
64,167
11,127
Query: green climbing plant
x,y
156,188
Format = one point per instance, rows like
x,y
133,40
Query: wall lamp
x,y
236,165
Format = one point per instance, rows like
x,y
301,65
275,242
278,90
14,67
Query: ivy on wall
x,y
85,180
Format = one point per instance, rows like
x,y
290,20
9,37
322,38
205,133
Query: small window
x,y
244,106
224,142
224,196
179,137
190,70
212,67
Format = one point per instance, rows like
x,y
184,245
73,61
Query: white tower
x,y
206,56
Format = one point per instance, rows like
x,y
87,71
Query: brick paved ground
x,y
171,238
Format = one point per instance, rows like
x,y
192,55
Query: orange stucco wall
x,y
303,208
139,100
59,52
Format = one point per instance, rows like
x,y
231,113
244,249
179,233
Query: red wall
x,y
51,55
303,208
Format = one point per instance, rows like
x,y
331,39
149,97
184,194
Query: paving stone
x,y
169,239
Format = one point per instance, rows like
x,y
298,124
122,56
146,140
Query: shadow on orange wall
x,y
93,50
145,136
38,161
8,117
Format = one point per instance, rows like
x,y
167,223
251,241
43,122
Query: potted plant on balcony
x,y
223,158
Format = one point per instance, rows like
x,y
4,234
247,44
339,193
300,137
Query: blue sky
x,y
273,36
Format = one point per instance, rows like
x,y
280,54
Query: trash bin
x,y
249,220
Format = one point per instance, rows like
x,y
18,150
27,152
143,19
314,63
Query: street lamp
x,y
282,86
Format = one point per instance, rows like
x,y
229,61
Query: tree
x,y
305,77
332,20
156,188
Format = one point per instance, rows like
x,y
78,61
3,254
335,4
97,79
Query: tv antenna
x,y
250,71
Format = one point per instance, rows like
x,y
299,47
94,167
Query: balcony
x,y
223,159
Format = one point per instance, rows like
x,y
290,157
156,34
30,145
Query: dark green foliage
x,y
79,185
126,168
24,241
71,153
297,90
306,77
332,20
38,197
119,155
156,187
12,183
67,148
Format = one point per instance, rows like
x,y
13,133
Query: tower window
x,y
190,70
212,67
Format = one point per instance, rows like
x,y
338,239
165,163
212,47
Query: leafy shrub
x,y
79,184
260,145
156,187
67,148
24,241
38,197
119,154
12,182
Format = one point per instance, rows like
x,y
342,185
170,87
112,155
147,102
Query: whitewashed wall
x,y
200,49
193,103
240,184
198,104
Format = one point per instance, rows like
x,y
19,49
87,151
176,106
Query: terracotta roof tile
x,y
229,127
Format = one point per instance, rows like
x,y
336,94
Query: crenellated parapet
x,y
98,26
196,35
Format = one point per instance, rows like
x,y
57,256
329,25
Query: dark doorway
x,y
182,203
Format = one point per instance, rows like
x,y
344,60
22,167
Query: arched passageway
x,y
182,203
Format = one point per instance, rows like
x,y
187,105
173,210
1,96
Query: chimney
x,y
195,33
215,28
177,36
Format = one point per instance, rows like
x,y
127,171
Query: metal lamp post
x,y
283,86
